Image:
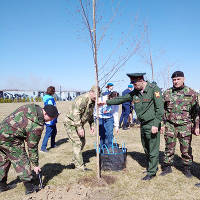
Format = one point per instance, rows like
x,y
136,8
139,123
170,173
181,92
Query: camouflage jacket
x,y
25,124
181,106
81,111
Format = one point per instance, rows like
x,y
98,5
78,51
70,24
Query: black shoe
x,y
166,170
44,151
131,125
148,177
87,169
4,186
197,184
187,171
71,166
82,168
30,187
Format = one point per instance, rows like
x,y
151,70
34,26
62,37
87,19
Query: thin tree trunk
x,y
97,85
152,71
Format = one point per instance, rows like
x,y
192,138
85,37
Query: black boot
x,y
148,177
4,186
30,187
166,170
197,184
125,128
187,171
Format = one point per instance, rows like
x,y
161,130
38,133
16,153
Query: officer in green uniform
x,y
149,108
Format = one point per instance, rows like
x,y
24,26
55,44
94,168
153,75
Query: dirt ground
x,y
61,181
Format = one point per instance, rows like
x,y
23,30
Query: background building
x,y
32,94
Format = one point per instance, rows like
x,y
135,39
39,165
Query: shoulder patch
x,y
157,94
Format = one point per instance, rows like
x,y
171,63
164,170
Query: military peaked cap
x,y
177,74
132,75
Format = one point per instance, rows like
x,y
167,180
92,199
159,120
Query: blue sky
x,y
44,42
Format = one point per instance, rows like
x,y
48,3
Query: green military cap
x,y
135,75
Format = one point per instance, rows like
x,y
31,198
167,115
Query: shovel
x,y
40,179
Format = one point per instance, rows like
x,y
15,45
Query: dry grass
x,y
65,183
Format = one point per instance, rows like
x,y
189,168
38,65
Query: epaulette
x,y
153,84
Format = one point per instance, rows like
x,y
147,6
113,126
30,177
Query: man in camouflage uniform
x,y
148,102
24,124
180,120
81,112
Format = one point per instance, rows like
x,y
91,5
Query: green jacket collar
x,y
147,87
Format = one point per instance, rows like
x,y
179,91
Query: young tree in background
x,y
128,43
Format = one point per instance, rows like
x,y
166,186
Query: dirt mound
x,y
94,182
76,192
86,189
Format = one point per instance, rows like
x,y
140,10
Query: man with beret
x,y
109,87
126,107
80,113
148,104
180,121
23,125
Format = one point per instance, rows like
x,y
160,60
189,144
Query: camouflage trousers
x,y
183,133
14,153
78,144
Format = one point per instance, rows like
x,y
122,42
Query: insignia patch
x,y
136,101
157,94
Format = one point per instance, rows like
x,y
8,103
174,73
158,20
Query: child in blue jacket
x,y
51,129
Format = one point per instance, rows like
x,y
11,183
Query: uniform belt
x,y
146,122
177,124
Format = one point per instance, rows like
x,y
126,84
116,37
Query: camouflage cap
x,y
51,111
94,89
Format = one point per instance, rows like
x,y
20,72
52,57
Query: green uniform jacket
x,y
24,124
81,111
149,106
